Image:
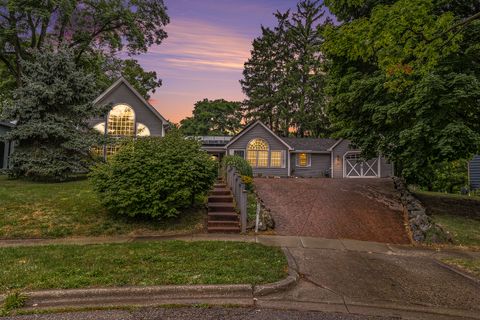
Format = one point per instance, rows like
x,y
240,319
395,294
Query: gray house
x,y
474,173
271,155
130,116
6,147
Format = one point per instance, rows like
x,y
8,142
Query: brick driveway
x,y
361,209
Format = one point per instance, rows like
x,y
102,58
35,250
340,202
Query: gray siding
x,y
258,131
386,168
338,153
4,147
122,94
474,171
320,166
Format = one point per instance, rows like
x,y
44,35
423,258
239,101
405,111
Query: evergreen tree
x,y
284,78
52,109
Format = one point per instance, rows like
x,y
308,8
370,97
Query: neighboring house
x,y
130,116
271,155
6,147
474,172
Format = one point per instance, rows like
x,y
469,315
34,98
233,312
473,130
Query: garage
x,y
354,166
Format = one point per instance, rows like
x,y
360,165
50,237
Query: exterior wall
x,y
4,148
122,94
337,156
258,131
320,166
474,172
386,168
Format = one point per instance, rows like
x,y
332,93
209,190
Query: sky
x,y
207,45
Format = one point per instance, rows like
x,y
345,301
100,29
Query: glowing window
x,y
142,130
100,127
257,153
111,150
121,121
303,160
276,159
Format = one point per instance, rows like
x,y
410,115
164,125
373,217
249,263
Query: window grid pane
x,y
262,159
276,159
252,158
121,121
302,160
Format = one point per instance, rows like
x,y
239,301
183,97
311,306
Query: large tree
x,y
284,78
89,27
213,117
404,80
52,108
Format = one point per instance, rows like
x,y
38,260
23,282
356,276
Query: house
x,y
130,116
271,155
6,147
474,173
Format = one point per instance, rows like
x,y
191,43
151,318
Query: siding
x,y
4,147
258,131
474,171
320,165
122,94
386,168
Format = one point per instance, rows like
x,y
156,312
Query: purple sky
x,y
208,42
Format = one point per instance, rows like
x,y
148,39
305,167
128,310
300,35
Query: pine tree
x,y
51,109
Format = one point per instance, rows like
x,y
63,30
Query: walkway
x,y
362,209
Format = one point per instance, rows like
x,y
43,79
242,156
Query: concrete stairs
x,y
222,216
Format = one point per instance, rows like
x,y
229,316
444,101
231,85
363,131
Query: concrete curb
x,y
458,271
140,296
282,285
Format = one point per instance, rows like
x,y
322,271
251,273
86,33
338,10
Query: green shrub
x,y
243,167
154,177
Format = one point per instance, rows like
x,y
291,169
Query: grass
x,y
139,264
53,210
12,301
470,265
448,195
465,231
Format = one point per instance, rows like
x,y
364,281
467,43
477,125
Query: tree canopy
x,y
93,29
213,117
284,78
403,77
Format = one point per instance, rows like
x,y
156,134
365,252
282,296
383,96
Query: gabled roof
x,y
252,125
139,96
310,144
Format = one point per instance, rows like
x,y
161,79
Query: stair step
x,y
223,223
220,198
219,185
222,192
223,216
223,229
221,206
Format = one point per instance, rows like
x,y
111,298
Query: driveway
x,y
361,209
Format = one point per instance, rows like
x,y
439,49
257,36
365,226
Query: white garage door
x,y
356,167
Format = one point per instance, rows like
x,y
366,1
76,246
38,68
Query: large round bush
x,y
243,167
154,177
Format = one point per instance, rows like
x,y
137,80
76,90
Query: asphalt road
x,y
195,313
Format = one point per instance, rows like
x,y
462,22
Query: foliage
x,y
450,177
284,78
213,117
464,230
154,177
72,209
91,28
248,181
140,264
243,167
51,109
14,300
404,81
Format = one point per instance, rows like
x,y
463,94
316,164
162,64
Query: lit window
x,y
142,130
121,121
97,151
111,149
276,159
257,153
303,160
100,127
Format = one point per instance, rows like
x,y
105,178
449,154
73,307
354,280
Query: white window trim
x,y
309,158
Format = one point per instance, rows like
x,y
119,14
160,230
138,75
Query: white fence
x,y
236,185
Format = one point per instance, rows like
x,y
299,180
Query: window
x,y
303,160
276,159
257,153
142,130
239,153
121,121
111,150
100,127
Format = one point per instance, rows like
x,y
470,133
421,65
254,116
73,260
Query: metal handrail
x,y
234,182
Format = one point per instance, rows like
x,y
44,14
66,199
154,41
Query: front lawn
x,y
470,265
39,210
139,264
457,214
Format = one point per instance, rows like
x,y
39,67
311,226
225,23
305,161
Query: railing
x,y
236,185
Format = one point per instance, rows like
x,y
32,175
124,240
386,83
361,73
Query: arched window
x,y
100,127
142,130
121,121
257,153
